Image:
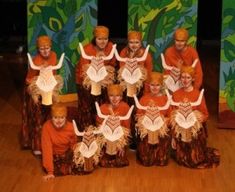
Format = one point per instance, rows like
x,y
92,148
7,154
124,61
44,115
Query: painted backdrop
x,y
227,67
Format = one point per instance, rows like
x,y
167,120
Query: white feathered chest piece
x,y
131,73
185,117
46,80
88,146
112,129
152,119
96,71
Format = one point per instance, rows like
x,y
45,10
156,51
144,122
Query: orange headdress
x,y
181,34
115,89
188,69
58,110
134,35
101,31
155,78
44,41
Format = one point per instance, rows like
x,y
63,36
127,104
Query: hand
x,y
44,64
35,99
121,153
200,117
48,177
97,61
94,61
173,143
100,60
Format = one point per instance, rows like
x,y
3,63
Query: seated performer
x,y
181,54
58,139
188,125
35,112
94,60
153,138
113,120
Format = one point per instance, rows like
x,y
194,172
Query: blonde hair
x,y
188,69
155,77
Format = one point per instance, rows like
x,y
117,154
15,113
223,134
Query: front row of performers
x,y
159,123
166,126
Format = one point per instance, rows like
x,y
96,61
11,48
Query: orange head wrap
x,y
114,89
155,78
188,69
135,35
181,34
101,31
44,41
58,110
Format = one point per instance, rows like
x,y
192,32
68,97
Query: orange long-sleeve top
x,y
39,60
148,63
192,96
159,101
188,56
91,50
121,110
55,142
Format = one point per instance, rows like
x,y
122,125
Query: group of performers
x,y
122,104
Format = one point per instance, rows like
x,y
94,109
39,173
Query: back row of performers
x,y
159,123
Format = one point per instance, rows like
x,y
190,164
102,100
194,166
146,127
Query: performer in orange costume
x,y
190,148
99,46
45,57
181,54
34,113
58,140
134,49
153,151
119,108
